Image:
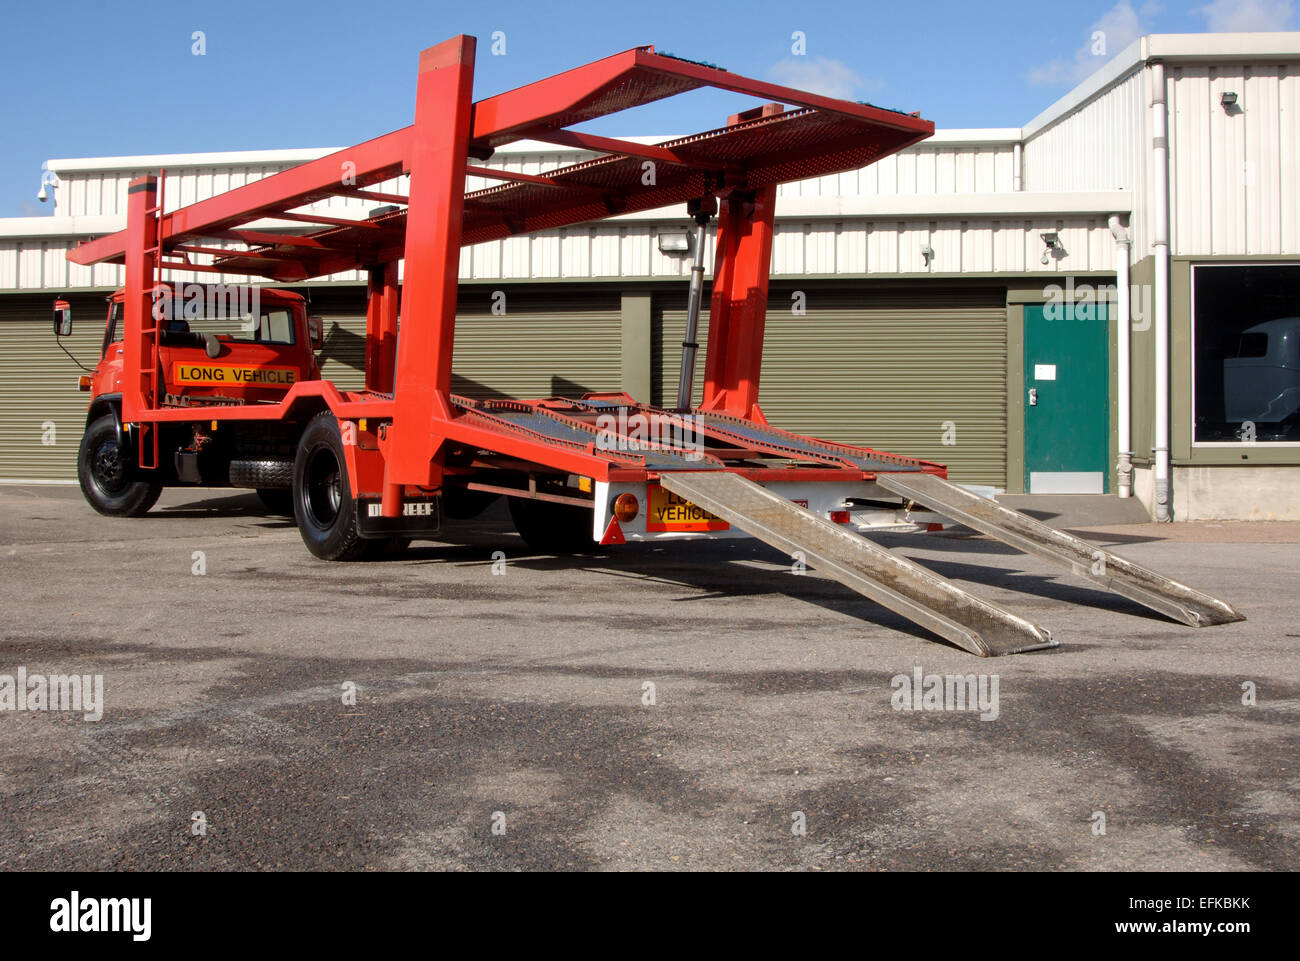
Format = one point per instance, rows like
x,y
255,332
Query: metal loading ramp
x,y
1103,568
890,580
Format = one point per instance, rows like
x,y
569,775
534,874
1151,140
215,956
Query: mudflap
x,y
421,517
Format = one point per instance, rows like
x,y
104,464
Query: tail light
x,y
626,507
840,517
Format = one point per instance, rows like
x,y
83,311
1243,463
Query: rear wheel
x,y
105,472
551,528
323,504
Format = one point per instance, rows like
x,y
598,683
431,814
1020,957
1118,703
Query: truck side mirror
x,y
62,318
316,332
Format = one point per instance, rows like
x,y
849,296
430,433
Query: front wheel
x,y
105,472
323,504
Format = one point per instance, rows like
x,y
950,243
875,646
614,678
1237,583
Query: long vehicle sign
x,y
226,375
668,512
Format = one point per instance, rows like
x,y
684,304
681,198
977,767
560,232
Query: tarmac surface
x,y
503,720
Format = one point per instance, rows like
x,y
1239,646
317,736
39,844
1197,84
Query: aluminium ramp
x,y
1103,568
890,580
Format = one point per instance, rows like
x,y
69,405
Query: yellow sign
x,y
225,375
668,512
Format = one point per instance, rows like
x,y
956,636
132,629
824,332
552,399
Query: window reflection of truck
x,y
1261,384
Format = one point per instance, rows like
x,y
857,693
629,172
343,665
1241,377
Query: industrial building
x,y
961,301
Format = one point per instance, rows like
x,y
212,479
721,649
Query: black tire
x,y
106,473
550,528
277,501
323,504
263,473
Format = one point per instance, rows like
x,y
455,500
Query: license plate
x,y
668,512
409,509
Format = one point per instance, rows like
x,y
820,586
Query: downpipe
x,y
1160,248
1123,317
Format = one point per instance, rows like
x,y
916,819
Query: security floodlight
x,y
674,242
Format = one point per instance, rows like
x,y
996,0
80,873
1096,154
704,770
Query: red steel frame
x,y
408,381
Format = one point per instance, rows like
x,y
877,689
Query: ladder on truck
x,y
914,591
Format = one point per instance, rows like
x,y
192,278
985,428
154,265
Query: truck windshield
x,y
267,325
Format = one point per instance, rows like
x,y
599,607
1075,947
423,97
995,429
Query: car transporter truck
x,y
365,471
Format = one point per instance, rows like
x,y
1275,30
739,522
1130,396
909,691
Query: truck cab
x,y
218,349
218,346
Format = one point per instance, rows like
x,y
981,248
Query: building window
x,y
1246,353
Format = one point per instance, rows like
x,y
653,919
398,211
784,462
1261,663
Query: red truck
x,y
213,352
370,469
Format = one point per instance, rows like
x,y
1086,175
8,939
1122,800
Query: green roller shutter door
x,y
342,357
42,413
557,348
895,372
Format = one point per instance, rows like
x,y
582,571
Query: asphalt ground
x,y
503,720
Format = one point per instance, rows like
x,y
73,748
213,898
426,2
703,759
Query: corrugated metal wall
x,y
1233,175
541,346
555,348
925,169
42,413
610,250
885,369
1103,145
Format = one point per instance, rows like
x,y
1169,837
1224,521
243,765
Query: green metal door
x,y
1067,399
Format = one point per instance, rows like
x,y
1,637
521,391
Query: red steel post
x,y
139,334
738,311
381,327
388,329
439,145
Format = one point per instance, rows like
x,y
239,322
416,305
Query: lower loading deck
x,y
747,474
809,498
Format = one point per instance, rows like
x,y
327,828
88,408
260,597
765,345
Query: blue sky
x,y
85,79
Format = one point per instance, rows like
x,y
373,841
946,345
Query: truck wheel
x,y
276,500
104,471
323,504
550,528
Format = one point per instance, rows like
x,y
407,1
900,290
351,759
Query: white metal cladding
x,y
1233,175
631,249
1102,145
931,167
946,165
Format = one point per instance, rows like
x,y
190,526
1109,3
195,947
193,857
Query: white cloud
x,y
831,78
1111,33
1245,16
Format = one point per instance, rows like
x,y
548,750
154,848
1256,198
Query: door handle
x,y
1033,396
